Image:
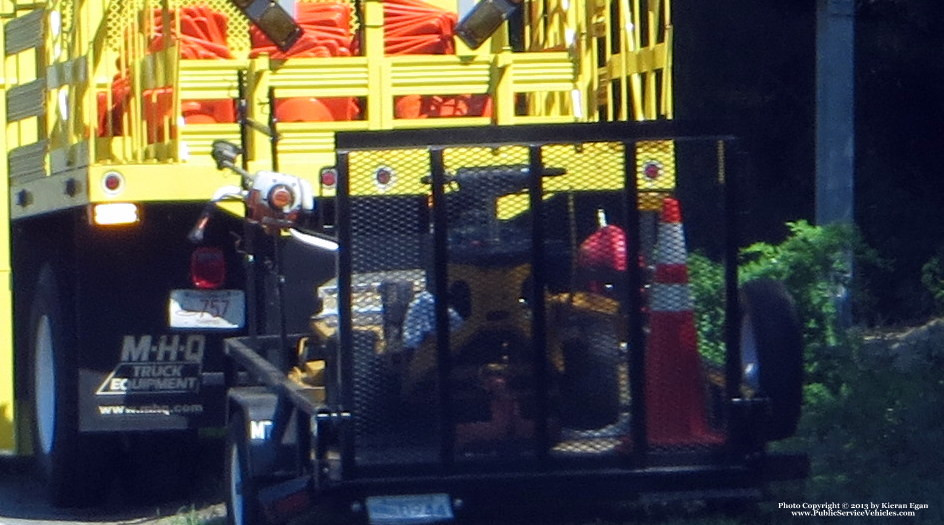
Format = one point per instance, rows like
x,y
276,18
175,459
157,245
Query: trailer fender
x,y
270,440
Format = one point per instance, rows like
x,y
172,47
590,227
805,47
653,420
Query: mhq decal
x,y
167,348
168,364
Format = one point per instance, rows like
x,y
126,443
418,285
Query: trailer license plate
x,y
409,509
207,309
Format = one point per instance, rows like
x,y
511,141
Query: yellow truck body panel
x,y
88,93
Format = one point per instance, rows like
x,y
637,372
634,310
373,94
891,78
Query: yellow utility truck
x,y
111,324
418,257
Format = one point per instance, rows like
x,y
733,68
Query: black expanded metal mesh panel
x,y
492,381
390,259
451,360
684,349
587,297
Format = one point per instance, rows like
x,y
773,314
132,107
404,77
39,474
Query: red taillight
x,y
207,267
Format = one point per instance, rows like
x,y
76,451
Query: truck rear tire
x,y
771,335
76,467
242,503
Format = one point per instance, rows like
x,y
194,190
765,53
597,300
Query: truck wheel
x,y
590,383
242,503
772,353
76,467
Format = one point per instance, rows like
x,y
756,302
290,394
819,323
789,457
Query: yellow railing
x,y
65,119
584,60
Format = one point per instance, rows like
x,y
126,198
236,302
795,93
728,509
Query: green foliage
x,y
814,263
872,411
932,277
878,436
707,285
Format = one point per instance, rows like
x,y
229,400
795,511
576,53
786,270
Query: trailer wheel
x,y
590,383
772,353
242,503
77,468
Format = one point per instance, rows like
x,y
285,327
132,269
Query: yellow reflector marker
x,y
113,213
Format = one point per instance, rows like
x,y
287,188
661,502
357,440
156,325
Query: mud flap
x,y
286,500
270,443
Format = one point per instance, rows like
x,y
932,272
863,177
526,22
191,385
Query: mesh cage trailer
x,y
522,332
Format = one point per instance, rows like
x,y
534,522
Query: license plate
x,y
207,309
409,509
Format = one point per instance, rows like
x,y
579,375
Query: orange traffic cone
x,y
676,411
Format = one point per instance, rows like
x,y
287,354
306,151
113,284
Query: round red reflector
x,y
329,178
112,182
281,197
652,170
384,176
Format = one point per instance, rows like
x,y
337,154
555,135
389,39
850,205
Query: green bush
x,y
822,267
707,282
878,436
872,412
932,277
815,264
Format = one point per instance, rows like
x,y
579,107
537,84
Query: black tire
x,y
590,383
242,503
775,336
77,468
